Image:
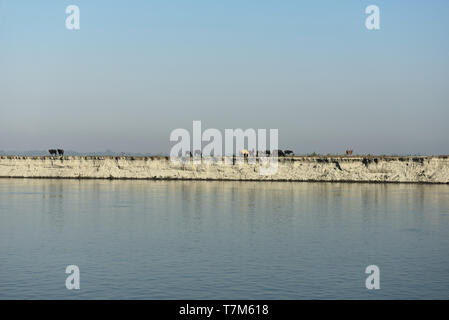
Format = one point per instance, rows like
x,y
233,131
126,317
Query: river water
x,y
222,240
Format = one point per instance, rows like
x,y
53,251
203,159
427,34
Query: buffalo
x,y
61,152
198,153
53,152
262,153
279,153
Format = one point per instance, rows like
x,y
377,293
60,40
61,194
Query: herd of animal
x,y
54,152
244,153
278,153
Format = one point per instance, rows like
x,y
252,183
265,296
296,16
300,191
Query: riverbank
x,y
425,169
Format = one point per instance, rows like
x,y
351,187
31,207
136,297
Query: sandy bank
x,y
432,169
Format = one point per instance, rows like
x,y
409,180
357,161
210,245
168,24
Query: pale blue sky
x,y
136,70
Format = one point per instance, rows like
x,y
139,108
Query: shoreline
x,y
227,180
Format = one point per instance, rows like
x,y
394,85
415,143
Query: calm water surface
x,y
222,240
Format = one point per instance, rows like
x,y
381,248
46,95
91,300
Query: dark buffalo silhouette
x,y
198,153
53,152
288,152
61,152
278,153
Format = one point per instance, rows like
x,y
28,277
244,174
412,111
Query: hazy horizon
x,y
136,71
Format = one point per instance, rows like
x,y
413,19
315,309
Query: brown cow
x,y
244,153
349,152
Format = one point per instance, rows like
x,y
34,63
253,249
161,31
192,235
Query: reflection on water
x,y
193,240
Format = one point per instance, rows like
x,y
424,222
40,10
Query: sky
x,y
137,70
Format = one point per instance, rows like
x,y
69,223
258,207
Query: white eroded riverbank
x,y
432,169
